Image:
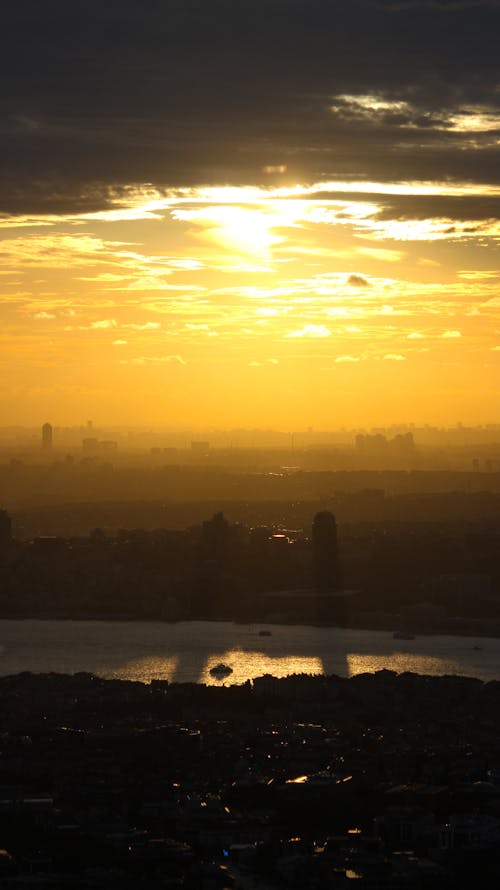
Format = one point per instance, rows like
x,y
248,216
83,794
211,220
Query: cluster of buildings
x,y
91,445
318,783
395,576
214,570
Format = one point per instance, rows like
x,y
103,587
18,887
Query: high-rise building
x,y
5,527
200,447
47,435
90,445
324,544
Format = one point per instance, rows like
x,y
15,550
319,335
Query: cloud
x,y
267,361
145,326
104,277
158,360
358,281
59,250
432,229
451,335
104,325
382,254
120,343
311,330
478,274
394,357
149,283
341,359
419,110
445,5
404,114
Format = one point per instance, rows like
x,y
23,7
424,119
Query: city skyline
x,y
274,216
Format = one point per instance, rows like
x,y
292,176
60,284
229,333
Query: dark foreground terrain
x,y
378,781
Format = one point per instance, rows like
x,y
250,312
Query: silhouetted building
x,y
108,445
377,445
200,447
5,527
403,444
212,553
90,446
214,535
325,557
47,435
373,445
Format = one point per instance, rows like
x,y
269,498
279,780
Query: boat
x,y
265,633
220,670
402,635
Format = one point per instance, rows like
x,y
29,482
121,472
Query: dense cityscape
x,y
386,780
239,535
315,782
249,445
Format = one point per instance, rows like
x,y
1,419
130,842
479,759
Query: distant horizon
x,y
309,430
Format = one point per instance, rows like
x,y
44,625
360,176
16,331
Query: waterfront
x,y
186,651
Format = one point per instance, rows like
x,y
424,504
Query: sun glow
x,y
270,299
238,230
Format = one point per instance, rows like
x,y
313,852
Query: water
x,y
185,652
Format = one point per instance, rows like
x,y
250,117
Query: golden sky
x,y
209,222
283,306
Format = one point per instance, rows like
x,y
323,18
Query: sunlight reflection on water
x,y
400,662
144,670
248,665
244,666
186,651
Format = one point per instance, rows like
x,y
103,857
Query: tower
x,y
324,545
5,528
47,435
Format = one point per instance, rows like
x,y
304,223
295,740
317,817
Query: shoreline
x,y
451,631
264,684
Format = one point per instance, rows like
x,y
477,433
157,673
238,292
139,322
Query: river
x,y
186,651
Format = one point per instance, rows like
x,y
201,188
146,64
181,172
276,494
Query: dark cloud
x,y
358,281
451,5
178,92
421,207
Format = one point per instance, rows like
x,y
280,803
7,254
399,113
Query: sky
x,y
276,213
